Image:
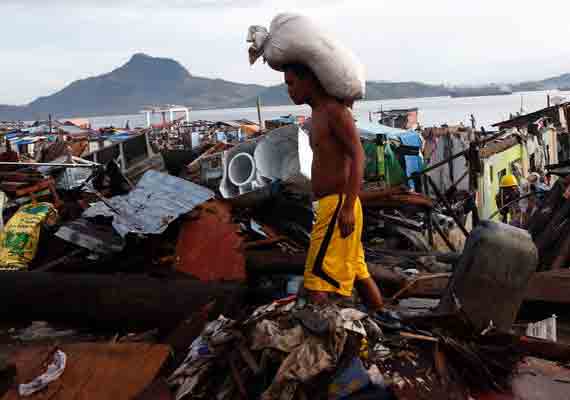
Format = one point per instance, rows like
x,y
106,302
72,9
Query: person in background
x,y
335,261
544,184
9,155
533,198
508,192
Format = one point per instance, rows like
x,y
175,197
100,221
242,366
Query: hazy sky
x,y
46,44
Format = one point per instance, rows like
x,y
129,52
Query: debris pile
x,y
190,286
292,350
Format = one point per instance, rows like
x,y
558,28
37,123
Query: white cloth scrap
x,y
53,372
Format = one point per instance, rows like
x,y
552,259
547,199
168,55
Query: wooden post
x,y
259,112
429,212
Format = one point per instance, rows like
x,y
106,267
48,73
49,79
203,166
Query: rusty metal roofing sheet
x,y
209,246
156,201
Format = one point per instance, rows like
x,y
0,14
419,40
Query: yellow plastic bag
x,y
21,235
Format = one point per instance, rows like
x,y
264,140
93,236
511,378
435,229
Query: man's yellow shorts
x,y
334,263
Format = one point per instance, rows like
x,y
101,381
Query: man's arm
x,y
345,131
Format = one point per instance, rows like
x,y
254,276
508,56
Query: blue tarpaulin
x,y
13,134
17,141
120,137
25,141
413,163
369,130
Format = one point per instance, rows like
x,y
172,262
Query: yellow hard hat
x,y
508,181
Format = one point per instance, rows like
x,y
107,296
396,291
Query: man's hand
x,y
346,220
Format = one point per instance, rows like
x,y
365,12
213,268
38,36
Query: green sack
x,y
395,175
371,161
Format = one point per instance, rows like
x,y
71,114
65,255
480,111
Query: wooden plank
x,y
429,286
547,286
93,370
550,286
275,261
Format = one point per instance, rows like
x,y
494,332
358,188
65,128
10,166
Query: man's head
x,y
302,83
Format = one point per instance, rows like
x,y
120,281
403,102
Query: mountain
x,y
146,80
142,81
382,90
277,95
561,81
270,96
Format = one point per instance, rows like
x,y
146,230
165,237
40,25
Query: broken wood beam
x,y
544,349
272,262
59,261
442,198
440,256
263,242
194,166
388,281
423,338
529,346
428,286
550,287
126,301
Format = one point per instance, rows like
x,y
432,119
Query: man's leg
x,y
370,293
365,285
324,268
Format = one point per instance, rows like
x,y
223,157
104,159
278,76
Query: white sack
x,y
297,39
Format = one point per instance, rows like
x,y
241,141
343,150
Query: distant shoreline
x,y
124,113
433,111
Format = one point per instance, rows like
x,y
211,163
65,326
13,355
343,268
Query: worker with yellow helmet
x,y
508,192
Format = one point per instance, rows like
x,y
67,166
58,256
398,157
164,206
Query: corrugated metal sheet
x,y
156,201
97,238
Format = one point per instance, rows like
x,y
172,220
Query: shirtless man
x,y
335,261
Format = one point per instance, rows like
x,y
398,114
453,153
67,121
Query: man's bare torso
x,y
330,169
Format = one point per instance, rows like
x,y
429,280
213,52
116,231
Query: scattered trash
x,y
41,330
148,260
350,380
54,371
545,329
376,377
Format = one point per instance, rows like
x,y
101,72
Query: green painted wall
x,y
489,186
